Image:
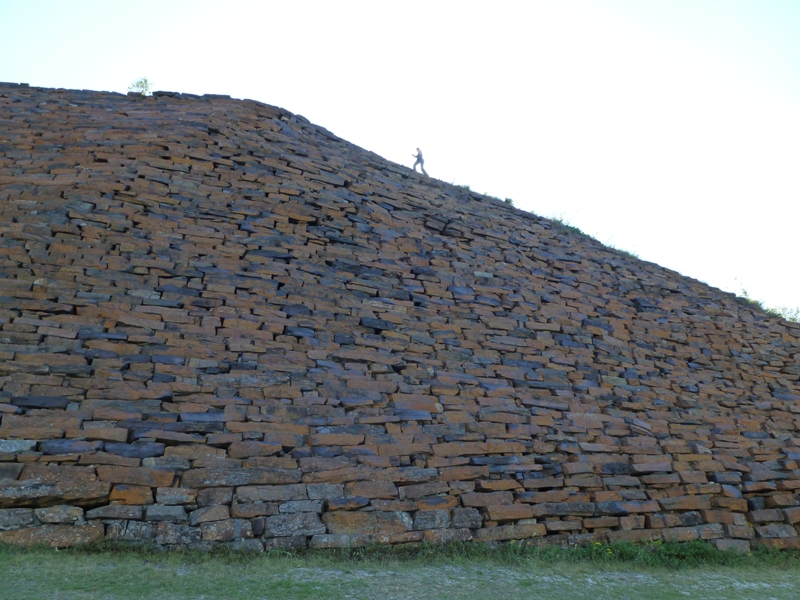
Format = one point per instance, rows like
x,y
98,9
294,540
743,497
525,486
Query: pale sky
x,y
667,128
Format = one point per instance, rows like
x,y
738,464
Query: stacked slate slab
x,y
222,324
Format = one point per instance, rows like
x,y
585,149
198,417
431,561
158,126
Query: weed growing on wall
x,y
141,86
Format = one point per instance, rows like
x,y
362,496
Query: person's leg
x,y
422,166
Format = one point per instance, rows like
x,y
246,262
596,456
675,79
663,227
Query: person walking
x,y
420,162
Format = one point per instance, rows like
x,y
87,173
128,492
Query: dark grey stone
x,y
10,470
431,519
298,506
171,514
70,447
293,524
16,446
41,402
14,518
131,531
140,450
466,518
169,534
116,511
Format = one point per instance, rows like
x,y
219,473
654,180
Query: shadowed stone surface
x,y
220,323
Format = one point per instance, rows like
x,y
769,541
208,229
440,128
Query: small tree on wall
x,y
141,86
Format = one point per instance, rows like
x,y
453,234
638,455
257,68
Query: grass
x,y
561,224
452,571
789,314
758,305
785,313
625,252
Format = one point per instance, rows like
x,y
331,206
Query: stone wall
x,y
220,323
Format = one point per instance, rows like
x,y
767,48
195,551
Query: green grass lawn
x,y
692,570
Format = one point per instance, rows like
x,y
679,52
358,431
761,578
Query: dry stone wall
x,y
222,324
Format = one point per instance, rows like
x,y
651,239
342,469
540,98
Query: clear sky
x,y
668,128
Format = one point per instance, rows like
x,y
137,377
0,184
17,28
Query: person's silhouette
x,y
420,161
